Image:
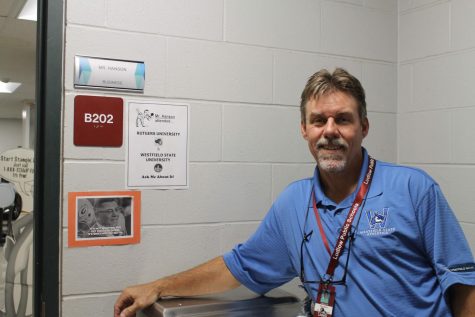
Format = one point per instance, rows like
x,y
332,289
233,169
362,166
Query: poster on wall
x,y
157,145
17,166
103,218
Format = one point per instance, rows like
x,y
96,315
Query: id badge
x,y
325,301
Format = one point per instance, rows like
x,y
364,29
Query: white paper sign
x,y
17,166
157,151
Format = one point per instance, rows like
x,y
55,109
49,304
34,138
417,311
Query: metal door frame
x,y
47,196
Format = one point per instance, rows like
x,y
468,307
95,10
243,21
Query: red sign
x,y
98,121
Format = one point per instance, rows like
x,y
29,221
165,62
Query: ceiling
x,y
17,58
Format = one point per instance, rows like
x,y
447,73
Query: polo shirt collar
x,y
323,200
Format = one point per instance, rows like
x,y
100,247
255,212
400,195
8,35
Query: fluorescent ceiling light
x,y
29,11
8,87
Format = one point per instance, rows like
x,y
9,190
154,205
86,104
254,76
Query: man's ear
x,y
303,130
365,127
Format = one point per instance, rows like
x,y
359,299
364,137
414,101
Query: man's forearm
x,y
207,278
462,300
210,277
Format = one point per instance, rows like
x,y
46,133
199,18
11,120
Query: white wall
x,y
436,97
10,134
242,63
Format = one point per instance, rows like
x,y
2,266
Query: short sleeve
x,y
262,262
444,241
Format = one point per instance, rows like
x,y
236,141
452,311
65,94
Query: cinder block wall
x,y
436,98
241,64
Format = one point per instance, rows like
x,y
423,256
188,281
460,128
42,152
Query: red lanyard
x,y
345,230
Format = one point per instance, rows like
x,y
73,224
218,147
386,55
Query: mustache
x,y
333,142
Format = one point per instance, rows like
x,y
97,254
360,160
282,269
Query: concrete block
x,y
292,70
218,193
234,233
205,132
432,37
150,49
388,5
457,186
469,230
422,135
421,3
343,32
441,175
405,87
91,176
272,23
284,174
381,141
219,71
355,2
463,136
444,82
380,84
97,305
95,175
86,12
404,5
183,18
162,251
462,24
263,134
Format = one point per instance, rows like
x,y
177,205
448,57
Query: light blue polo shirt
x,y
407,251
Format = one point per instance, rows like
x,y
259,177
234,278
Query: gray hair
x,y
323,82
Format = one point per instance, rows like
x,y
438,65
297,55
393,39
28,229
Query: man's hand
x,y
135,298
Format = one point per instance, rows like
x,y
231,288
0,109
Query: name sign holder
x,y
109,74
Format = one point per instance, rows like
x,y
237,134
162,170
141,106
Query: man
x,y
110,217
366,238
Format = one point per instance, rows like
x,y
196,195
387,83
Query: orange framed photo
x,y
103,218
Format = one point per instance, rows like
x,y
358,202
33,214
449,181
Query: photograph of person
x,y
103,217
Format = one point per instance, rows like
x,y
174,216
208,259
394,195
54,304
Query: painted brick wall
x,y
241,64
436,99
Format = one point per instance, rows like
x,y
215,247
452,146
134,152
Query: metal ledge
x,y
236,303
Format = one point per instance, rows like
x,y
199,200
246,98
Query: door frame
x,y
47,194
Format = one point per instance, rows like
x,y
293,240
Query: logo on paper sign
x,y
377,223
158,143
158,167
143,118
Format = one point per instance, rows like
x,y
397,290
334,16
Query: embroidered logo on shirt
x,y
377,223
377,219
465,267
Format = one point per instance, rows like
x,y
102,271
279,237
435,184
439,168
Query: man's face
x,y
107,213
334,131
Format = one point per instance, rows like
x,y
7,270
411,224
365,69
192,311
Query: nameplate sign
x,y
104,73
